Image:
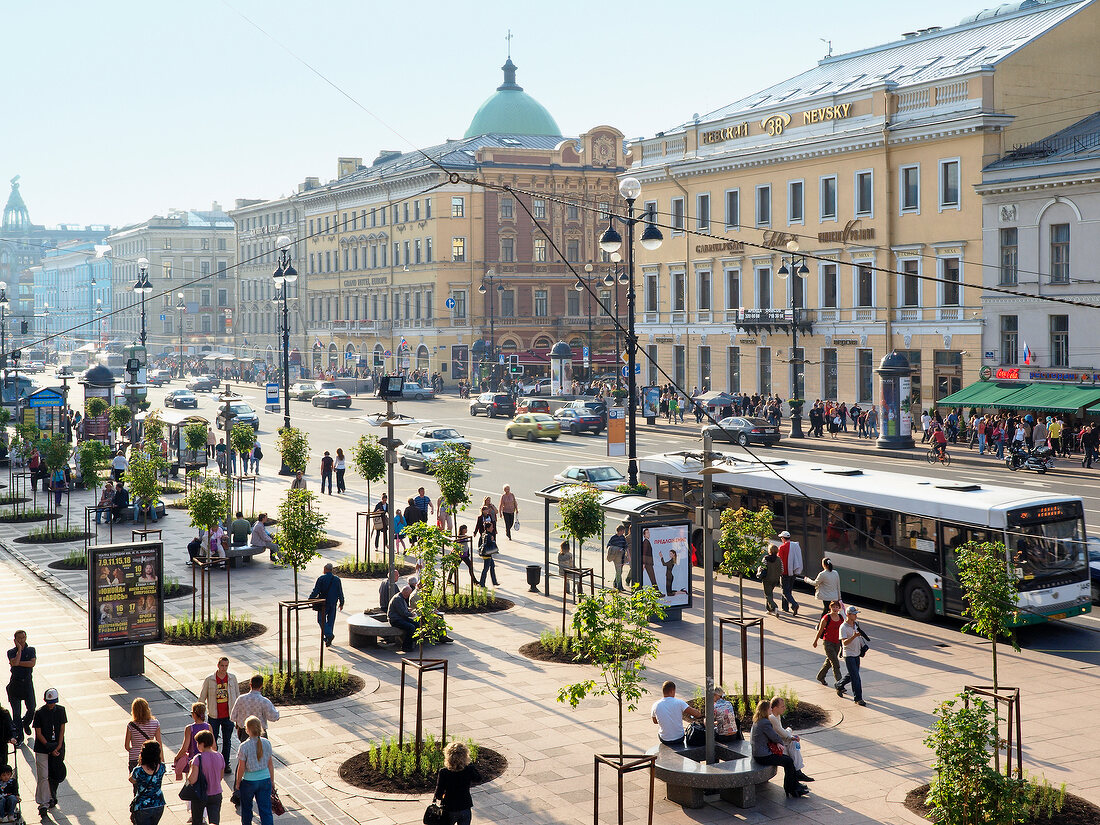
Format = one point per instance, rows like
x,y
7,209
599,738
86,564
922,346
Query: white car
x,y
602,476
538,387
447,435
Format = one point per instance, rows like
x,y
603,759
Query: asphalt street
x,y
529,467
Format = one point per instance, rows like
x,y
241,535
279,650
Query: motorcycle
x,y
1040,459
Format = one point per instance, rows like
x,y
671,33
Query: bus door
x,y
951,538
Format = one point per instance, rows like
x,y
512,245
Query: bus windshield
x,y
1053,548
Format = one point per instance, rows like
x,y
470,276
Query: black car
x,y
493,404
202,385
181,399
331,398
592,407
577,420
241,414
744,431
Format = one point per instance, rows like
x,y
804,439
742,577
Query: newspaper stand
x,y
291,608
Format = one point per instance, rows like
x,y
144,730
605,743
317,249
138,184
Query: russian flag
x,y
1027,353
404,343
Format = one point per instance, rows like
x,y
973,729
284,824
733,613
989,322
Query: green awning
x,y
982,394
1050,398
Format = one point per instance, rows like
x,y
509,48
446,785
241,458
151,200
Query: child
x,y
399,526
565,559
9,794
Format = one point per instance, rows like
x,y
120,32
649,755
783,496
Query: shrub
x,y
479,598
210,629
294,448
286,686
391,759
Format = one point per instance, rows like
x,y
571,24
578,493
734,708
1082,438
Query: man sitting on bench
x,y
400,617
261,538
239,531
668,713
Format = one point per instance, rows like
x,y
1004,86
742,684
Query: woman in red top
x,y
828,630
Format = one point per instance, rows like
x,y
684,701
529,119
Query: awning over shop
x,y
1002,395
981,394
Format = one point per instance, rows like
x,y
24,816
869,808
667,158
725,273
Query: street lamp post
x,y
180,308
797,292
284,275
615,275
580,288
3,336
492,278
610,241
142,287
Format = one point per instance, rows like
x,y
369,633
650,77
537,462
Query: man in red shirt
x,y
939,440
220,691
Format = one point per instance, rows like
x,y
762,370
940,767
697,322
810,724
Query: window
x,y
396,253
733,369
221,245
382,251
679,291
733,208
428,255
1059,253
679,364
828,198
704,293
407,246
650,211
733,289
427,207
764,287
795,201
763,205
764,377
1010,256
542,304
572,213
405,210
572,303
573,251
949,184
167,243
702,212
910,283
910,189
829,286
540,250
865,286
865,376
507,250
373,219
382,215
538,208
166,268
1059,340
507,303
951,287
418,251
704,367
829,388
460,303
206,323
1010,339
416,213
458,207
428,305
223,297
506,208
677,215
865,194
458,249
651,292
651,364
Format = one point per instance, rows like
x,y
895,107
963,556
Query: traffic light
x,y
514,366
23,327
379,360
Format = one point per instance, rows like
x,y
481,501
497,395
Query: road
x,y
529,467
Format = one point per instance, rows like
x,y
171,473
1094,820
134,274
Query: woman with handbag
x,y
452,786
255,779
767,749
509,507
188,749
488,550
210,764
147,806
142,727
466,555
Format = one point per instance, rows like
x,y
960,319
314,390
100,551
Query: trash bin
x,y
534,576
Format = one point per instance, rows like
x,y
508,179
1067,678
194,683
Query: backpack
x,y
258,453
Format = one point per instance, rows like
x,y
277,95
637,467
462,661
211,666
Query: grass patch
x,y
352,569
481,600
173,589
800,715
47,535
392,768
553,646
309,685
27,515
76,559
11,498
220,628
171,487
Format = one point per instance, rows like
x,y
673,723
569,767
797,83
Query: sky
x,y
115,111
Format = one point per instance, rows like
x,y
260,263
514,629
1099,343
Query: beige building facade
x,y
862,172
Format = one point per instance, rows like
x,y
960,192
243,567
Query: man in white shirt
x,y
668,714
119,465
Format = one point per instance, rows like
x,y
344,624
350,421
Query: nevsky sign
x,y
776,124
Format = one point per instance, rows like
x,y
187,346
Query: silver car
x,y
602,476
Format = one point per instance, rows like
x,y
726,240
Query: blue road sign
x,y
626,370
584,351
502,359
349,356
272,392
163,317
450,303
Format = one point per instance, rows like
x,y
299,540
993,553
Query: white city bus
x,y
891,536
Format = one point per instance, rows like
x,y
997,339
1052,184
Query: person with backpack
x,y
257,454
147,806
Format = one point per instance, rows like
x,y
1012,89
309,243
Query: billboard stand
x,y
125,602
126,661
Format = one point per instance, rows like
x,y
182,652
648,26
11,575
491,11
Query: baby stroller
x,y
11,759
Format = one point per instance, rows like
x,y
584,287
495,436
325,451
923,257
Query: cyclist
x,y
939,441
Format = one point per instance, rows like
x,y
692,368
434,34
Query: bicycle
x,y
934,455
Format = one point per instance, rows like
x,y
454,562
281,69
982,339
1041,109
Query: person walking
x,y
509,507
772,570
146,776
826,585
616,554
220,691
211,765
255,779
22,658
380,522
853,640
141,728
341,467
257,454
253,703
443,515
790,553
828,632
188,749
488,551
326,472
452,784
211,441
329,588
49,750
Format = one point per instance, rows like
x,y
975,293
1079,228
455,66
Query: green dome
x,y
511,111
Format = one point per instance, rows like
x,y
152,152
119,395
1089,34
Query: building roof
x,y
933,54
15,212
1076,142
511,111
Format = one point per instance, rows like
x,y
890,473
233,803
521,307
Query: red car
x,y
577,421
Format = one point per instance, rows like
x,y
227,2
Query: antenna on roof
x,y
829,44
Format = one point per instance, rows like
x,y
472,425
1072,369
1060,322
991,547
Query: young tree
x,y
430,545
55,452
989,590
370,461
453,468
294,448
95,406
92,457
153,430
119,416
613,630
301,529
242,438
144,471
206,504
742,544
194,437
581,515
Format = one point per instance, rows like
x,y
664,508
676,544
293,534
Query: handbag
x,y
433,814
696,735
195,792
776,748
277,806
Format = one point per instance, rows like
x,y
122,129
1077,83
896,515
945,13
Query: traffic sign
x,y
623,357
163,317
272,393
626,370
349,356
502,359
584,351
450,303
387,353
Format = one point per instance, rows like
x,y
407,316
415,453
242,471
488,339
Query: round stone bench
x,y
365,629
687,777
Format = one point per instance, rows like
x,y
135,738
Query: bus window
x,y
693,492
796,516
879,541
777,503
738,498
837,529
916,533
813,548
670,489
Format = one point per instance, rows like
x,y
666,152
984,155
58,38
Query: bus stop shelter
x,y
658,530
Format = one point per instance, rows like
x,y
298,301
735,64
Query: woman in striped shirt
x,y
142,727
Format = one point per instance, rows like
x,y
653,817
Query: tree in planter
x,y
294,448
369,460
153,430
990,593
55,452
194,436
206,504
744,533
453,468
144,471
431,547
241,440
301,529
581,515
119,416
92,457
94,407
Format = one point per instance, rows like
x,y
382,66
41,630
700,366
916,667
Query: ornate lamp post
x,y
797,299
142,287
284,275
580,288
492,278
181,307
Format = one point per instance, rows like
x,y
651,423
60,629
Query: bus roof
x,y
921,495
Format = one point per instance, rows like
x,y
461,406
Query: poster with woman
x,y
666,563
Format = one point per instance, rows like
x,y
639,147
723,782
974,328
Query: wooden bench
x,y
365,629
687,777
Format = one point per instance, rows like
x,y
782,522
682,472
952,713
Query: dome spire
x,y
509,83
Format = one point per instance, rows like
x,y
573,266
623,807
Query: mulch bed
x,y
492,607
358,772
352,686
328,544
180,591
65,564
20,518
807,715
535,650
254,630
13,499
53,539
402,569
1076,810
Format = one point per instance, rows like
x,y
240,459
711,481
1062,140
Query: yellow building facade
x,y
861,173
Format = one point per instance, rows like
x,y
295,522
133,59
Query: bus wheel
x,y
918,600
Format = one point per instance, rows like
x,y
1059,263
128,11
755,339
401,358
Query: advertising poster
x,y
616,431
651,401
666,562
126,606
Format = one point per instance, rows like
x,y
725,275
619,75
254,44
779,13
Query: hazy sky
x,y
117,110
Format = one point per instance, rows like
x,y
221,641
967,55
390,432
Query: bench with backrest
x,y
688,778
366,628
